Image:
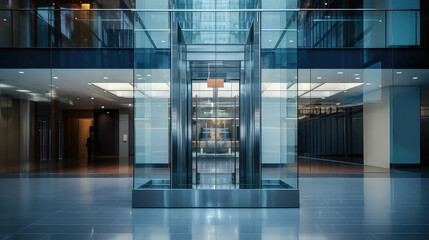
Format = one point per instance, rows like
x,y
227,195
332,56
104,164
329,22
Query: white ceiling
x,y
75,88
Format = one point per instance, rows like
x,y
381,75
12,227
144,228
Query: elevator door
x,y
215,133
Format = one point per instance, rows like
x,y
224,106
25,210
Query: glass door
x,y
215,133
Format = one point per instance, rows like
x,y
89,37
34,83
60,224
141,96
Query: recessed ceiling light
x,y
21,72
356,74
138,75
149,75
415,78
92,98
23,90
368,84
270,40
130,105
140,78
107,112
106,78
340,73
398,73
102,106
319,78
358,78
291,41
55,77
163,41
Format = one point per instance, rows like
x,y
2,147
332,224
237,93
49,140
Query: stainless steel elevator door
x,y
215,133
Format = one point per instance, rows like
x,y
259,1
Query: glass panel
x,y
275,4
25,101
92,29
87,4
92,128
151,99
215,27
279,99
215,4
5,28
403,28
31,28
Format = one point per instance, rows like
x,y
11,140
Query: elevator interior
x,y
215,121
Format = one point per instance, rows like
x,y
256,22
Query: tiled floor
x,y
333,206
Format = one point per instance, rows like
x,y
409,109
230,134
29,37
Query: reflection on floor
x,y
328,166
124,165
96,164
333,206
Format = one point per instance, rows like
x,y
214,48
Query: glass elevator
x,y
215,109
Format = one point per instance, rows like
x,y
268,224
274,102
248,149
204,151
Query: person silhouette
x,y
89,145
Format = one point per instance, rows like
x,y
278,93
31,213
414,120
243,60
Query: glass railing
x,y
66,29
114,28
358,29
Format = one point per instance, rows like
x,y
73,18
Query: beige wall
x,y
376,129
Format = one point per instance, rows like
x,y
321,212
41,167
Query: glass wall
x,y
152,99
165,127
279,85
358,111
348,69
65,108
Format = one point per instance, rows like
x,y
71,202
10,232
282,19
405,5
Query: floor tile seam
x,y
34,223
339,214
332,234
318,228
375,234
45,235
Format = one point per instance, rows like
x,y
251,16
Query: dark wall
x,y
106,131
336,136
332,4
424,138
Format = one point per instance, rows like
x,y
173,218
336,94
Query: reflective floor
x,y
333,206
124,165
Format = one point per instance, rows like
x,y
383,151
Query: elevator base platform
x,y
216,198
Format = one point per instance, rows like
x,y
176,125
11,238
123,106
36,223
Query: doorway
x,y
215,126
